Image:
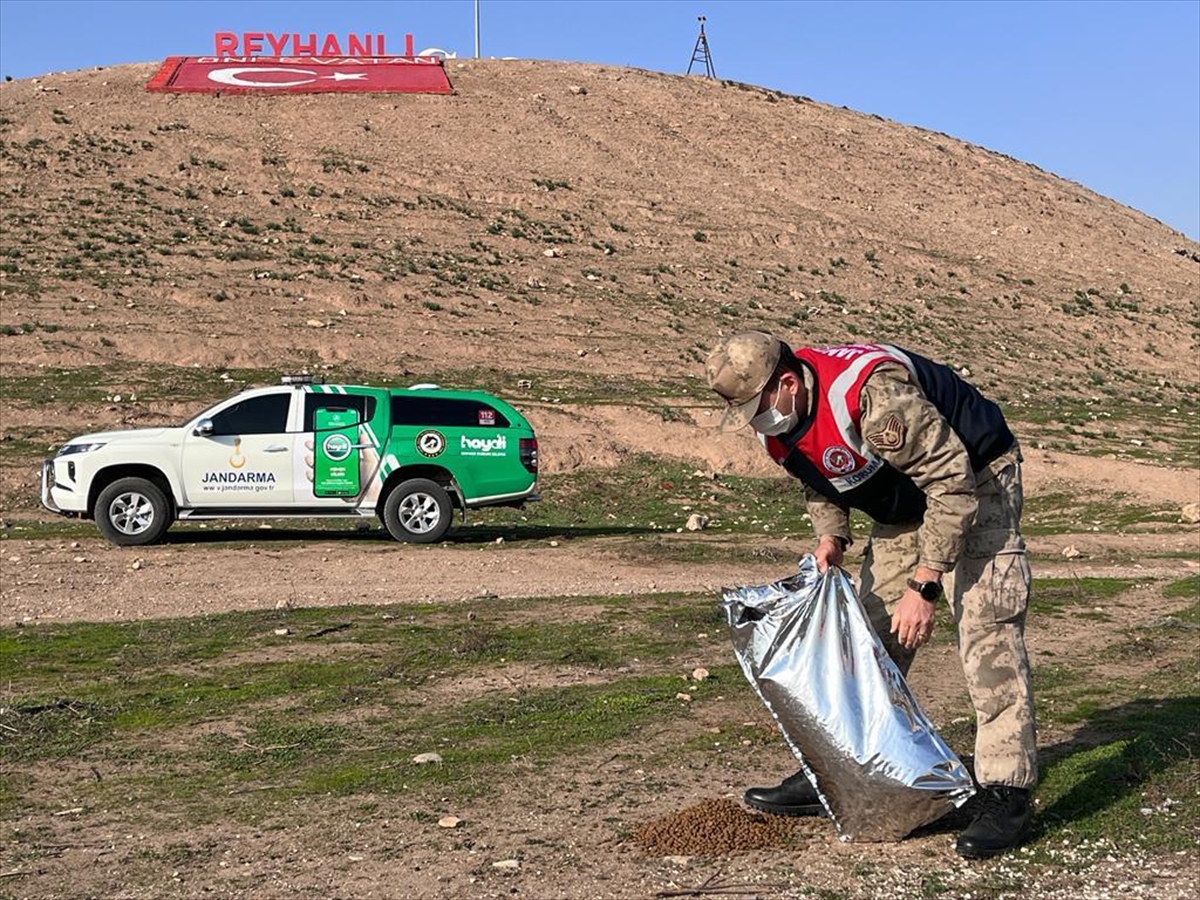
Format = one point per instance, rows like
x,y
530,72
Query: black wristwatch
x,y
929,590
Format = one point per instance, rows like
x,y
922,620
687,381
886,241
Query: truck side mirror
x,y
203,428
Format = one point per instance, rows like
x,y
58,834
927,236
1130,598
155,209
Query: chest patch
x,y
838,460
891,434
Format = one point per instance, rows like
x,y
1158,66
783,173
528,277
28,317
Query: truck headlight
x,y
72,449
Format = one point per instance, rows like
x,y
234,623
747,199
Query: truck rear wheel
x,y
133,511
418,511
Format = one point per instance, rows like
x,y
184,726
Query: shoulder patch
x,y
891,434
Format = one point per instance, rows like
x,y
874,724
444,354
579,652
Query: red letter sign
x,y
226,45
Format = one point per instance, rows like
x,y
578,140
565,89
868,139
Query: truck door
x,y
335,452
241,454
338,455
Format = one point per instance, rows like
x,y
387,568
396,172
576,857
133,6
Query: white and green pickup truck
x,y
303,450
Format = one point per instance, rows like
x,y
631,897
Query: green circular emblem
x,y
337,447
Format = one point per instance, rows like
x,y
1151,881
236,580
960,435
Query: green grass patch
x,y
1052,596
1066,513
1154,426
1129,776
1130,772
410,642
479,738
1187,587
34,443
339,698
43,529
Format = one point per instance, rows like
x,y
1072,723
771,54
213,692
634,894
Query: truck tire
x,y
133,511
418,511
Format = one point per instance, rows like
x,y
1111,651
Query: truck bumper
x,y
60,498
48,487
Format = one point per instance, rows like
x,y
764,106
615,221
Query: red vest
x,y
827,452
833,442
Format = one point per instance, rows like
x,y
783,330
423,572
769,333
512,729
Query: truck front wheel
x,y
133,511
418,511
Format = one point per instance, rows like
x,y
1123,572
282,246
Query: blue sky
x,y
1106,94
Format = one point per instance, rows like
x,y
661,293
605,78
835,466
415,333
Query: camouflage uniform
x,y
971,533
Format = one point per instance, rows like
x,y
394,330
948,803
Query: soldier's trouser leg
x,y
989,593
990,596
889,561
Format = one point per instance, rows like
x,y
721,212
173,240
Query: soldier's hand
x,y
912,622
829,552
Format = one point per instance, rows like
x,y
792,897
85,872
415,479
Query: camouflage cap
x,y
738,369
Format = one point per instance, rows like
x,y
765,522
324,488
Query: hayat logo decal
x,y
337,447
431,443
496,446
838,460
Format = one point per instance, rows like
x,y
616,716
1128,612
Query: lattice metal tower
x,y
701,52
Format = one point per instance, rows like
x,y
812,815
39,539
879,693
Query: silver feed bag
x,y
808,649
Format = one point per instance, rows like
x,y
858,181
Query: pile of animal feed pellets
x,y
716,827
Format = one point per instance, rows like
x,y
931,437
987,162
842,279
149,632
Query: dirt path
x,y
90,580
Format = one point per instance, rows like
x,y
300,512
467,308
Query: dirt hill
x,y
590,229
575,238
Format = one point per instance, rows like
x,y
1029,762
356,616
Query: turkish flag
x,y
301,75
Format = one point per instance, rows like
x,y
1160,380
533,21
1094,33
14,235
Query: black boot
x,y
795,797
1001,822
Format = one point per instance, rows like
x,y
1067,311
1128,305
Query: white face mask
x,y
772,422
